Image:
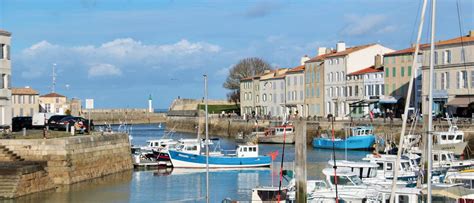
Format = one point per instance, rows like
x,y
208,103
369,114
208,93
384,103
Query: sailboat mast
x,y
430,97
407,104
207,141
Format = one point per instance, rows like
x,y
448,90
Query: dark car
x,y
69,121
53,121
18,123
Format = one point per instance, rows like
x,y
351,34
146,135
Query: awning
x,y
388,100
461,101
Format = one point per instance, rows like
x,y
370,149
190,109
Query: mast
x,y
207,141
53,87
430,97
407,104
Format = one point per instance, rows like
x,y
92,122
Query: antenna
x,y
53,87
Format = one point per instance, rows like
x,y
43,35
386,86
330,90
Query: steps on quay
x,y
8,155
8,184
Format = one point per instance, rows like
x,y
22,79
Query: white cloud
x,y
126,53
104,70
357,25
223,72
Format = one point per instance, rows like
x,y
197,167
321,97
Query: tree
x,y
246,67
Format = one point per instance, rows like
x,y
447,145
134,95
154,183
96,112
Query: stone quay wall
x,y
74,159
117,116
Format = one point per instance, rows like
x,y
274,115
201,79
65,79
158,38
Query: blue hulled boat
x,y
188,155
362,138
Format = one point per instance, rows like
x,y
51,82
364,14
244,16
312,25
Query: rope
x,y
463,53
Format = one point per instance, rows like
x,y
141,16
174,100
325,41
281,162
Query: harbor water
x,y
185,185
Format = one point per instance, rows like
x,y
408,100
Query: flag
x,y
371,115
273,154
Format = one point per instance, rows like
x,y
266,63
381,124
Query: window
x,y
350,91
462,79
387,72
256,98
337,91
47,108
435,57
445,80
386,89
394,90
402,73
295,80
289,81
393,60
394,72
377,90
312,91
21,112
403,199
274,85
472,79
31,112
409,70
337,76
463,55
317,76
356,90
301,95
382,89
2,56
342,75
270,97
317,92
57,100
389,166
447,57
301,80
8,52
282,85
282,98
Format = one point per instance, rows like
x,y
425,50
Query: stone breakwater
x,y
69,160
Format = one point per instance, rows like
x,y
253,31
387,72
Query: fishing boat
x,y
386,167
189,155
451,140
447,160
277,135
465,178
362,138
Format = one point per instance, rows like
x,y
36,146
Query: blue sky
x,y
119,52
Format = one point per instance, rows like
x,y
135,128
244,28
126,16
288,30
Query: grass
x,y
219,108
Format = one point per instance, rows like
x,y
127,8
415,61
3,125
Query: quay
x,y
32,165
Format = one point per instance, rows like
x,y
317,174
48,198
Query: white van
x,y
40,119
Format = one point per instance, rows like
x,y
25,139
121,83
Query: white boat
x,y
447,159
269,194
276,135
451,140
159,145
465,178
386,167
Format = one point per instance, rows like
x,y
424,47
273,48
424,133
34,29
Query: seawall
x,y
117,116
72,159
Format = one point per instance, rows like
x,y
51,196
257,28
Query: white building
x,y
5,80
337,65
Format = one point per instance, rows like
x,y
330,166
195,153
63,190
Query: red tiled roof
x,y
370,69
350,50
5,33
406,51
320,57
296,69
457,40
52,95
24,91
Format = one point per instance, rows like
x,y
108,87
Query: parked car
x,y
69,121
53,121
41,119
18,123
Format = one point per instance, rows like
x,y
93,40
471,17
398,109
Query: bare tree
x,y
247,67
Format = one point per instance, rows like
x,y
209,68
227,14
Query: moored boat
x,y
277,134
362,138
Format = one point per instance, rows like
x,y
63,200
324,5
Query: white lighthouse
x,y
150,105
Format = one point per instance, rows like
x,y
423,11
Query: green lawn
x,y
219,108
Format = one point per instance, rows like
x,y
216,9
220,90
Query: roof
x,y
296,69
370,69
350,50
53,94
467,38
410,50
320,57
276,74
24,91
5,33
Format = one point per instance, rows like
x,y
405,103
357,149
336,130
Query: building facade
x,y
5,80
295,91
364,89
24,101
314,84
453,84
337,65
273,93
53,103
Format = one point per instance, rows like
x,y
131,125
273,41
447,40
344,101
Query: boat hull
x,y
456,148
186,160
352,143
276,139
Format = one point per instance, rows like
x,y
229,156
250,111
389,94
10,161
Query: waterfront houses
x,y
273,93
53,103
336,67
398,71
24,101
453,83
364,88
295,91
5,79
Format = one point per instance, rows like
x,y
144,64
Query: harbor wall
x,y
74,159
117,116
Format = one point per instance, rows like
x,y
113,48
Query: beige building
x,y
249,95
24,102
453,85
53,103
314,84
5,80
75,106
295,91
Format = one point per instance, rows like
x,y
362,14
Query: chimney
x,y
471,33
322,50
340,46
378,61
304,59
329,50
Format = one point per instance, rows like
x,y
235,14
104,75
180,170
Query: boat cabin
x,y
447,159
449,137
344,176
247,151
362,131
386,165
362,169
280,130
191,146
466,179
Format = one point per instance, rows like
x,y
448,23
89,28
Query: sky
x,y
120,52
